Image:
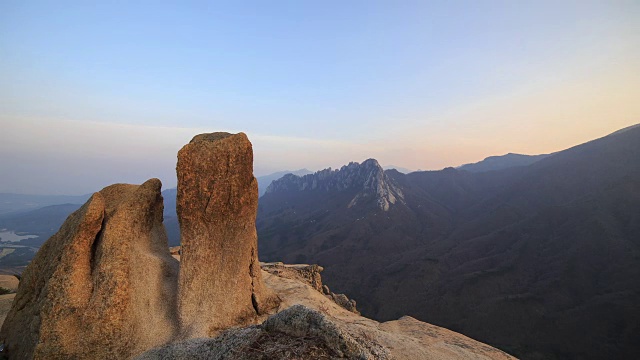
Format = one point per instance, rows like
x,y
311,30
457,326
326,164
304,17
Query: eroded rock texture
x,y
309,274
217,201
102,287
298,332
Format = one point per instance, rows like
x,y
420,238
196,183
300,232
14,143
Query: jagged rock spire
x,y
368,177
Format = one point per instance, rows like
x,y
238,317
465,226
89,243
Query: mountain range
x,y
540,260
266,180
536,255
18,203
502,162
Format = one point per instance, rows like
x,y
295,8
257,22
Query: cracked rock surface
x,y
102,287
220,284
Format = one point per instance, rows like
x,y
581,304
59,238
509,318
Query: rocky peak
x,y
368,177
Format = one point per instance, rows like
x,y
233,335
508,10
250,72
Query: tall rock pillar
x,y
220,284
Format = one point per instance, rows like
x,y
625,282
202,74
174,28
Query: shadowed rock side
x,y
217,201
102,287
5,305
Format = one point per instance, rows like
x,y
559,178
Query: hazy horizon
x,y
97,94
162,162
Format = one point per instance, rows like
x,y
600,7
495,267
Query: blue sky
x,y
419,84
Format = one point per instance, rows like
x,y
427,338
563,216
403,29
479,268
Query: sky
x,y
94,93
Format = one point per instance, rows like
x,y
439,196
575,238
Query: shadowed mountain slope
x,y
502,162
542,261
266,180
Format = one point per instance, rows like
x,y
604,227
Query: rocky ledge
x,y
310,274
308,325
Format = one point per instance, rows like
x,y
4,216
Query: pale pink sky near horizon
x,y
83,157
97,93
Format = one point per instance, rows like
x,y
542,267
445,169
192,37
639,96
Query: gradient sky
x,y
93,93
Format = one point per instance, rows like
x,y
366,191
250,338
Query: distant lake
x,y
11,236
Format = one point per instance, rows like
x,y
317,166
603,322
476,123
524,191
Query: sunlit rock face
x,y
102,287
217,200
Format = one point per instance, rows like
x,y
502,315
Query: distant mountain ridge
x,y
625,129
518,257
501,162
369,178
265,180
16,203
397,168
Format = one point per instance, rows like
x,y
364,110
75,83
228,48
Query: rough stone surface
x,y
9,282
345,302
5,305
102,287
301,321
295,333
217,201
303,272
309,274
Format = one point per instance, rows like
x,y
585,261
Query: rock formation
x,y
102,287
368,179
217,200
298,332
309,274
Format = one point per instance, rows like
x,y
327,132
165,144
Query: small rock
x,y
345,302
325,290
